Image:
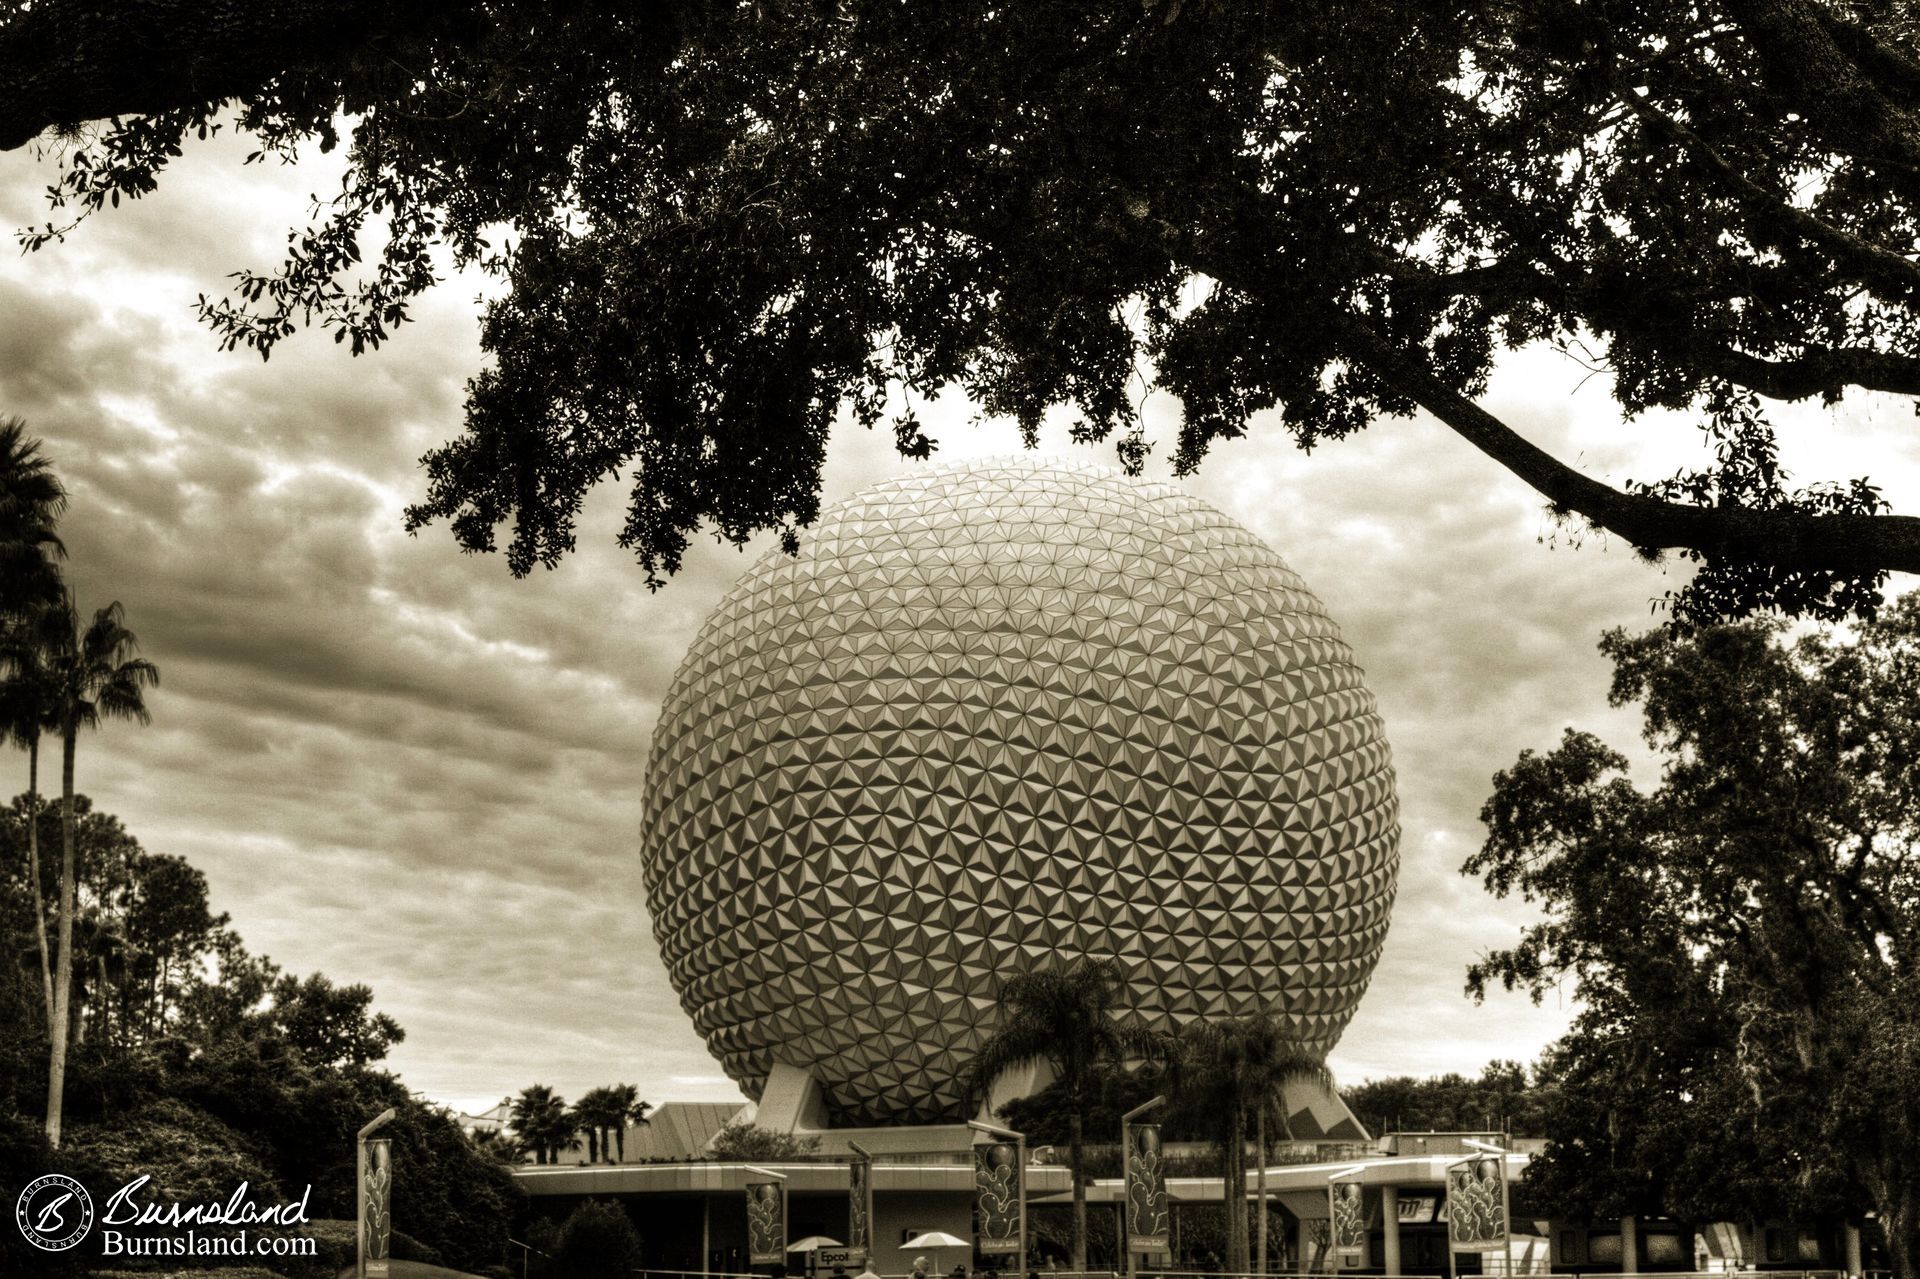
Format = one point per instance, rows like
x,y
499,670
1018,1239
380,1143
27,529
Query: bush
x,y
24,1155
740,1140
191,1156
598,1242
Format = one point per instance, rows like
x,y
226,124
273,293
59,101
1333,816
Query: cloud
x,y
400,767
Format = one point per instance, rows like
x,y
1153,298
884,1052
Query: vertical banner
x,y
1148,1222
859,1209
999,1196
1477,1204
766,1223
376,1215
1346,1213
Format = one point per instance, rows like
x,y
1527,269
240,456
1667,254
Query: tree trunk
x,y
1236,1191
1075,1137
33,865
620,1141
63,966
1260,1222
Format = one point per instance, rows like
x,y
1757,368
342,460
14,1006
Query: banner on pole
x,y
766,1223
999,1197
1477,1204
859,1210
1148,1221
376,1217
1147,1191
1346,1211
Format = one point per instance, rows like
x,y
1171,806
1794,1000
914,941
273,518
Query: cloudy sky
x,y
399,766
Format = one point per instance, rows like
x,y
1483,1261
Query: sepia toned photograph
x,y
1176,639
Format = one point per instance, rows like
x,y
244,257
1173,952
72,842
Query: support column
x,y
1629,1245
706,1234
1390,1228
1854,1267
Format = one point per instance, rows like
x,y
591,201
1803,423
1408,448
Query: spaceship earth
x,y
1000,717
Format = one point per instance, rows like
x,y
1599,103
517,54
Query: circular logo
x,y
54,1212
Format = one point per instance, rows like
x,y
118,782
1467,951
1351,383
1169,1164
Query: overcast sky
x,y
399,766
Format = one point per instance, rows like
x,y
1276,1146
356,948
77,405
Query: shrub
x,y
598,1242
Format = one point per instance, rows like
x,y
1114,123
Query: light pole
x,y
1126,1196
1019,1141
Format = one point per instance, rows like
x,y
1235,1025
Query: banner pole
x,y
1019,1141
1126,1194
360,1187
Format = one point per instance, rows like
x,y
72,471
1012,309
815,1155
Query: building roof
x,y
680,1129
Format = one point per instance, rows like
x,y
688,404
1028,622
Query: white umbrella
x,y
813,1241
934,1239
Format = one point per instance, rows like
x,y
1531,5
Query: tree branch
x,y
1845,543
1898,276
64,62
1807,68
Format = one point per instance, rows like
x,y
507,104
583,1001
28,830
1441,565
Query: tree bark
x,y
33,866
1075,1139
1260,1221
63,62
1844,543
1236,1192
63,967
1804,65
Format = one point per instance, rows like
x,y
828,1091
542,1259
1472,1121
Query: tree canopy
x,y
1744,935
719,224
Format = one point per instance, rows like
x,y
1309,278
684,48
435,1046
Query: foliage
x,y
1112,1090
337,1247
205,1065
1069,1018
25,1155
720,225
743,1140
32,500
598,1241
543,1123
191,1156
1226,1073
1502,1099
1743,937
603,1114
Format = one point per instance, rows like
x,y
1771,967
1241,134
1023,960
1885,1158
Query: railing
x,y
1771,1273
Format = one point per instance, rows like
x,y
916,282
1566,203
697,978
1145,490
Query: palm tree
x,y
542,1122
1230,1070
1066,1018
588,1117
94,675
26,711
632,1111
31,501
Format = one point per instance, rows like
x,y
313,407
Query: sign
x,y
766,1223
376,1214
1148,1221
999,1197
859,1216
1417,1210
828,1258
1477,1204
1346,1210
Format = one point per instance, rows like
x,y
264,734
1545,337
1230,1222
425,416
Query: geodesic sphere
x,y
1000,717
